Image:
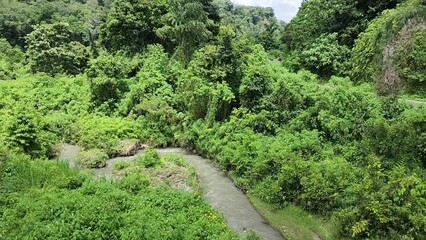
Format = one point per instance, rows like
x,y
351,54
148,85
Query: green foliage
x,y
40,110
52,50
104,133
393,140
149,160
26,131
11,60
327,184
310,145
109,76
346,18
18,18
325,56
329,112
150,86
121,165
175,158
254,86
367,57
411,59
258,23
134,182
151,97
93,158
308,24
387,204
331,147
417,122
185,24
203,99
131,25
33,206
297,168
215,72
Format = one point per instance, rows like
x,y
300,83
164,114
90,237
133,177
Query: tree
x,y
18,18
131,25
254,87
109,76
52,49
186,25
347,18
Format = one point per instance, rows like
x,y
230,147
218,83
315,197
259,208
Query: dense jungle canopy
x,y
325,113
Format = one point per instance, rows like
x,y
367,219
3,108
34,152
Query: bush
x,y
386,204
179,160
325,185
149,160
325,56
27,131
134,182
120,165
11,60
94,158
104,133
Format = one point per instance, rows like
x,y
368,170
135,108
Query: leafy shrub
x,y
109,77
329,112
130,26
416,119
175,158
325,185
104,133
325,56
396,141
19,173
94,158
134,182
387,205
150,159
11,60
120,165
150,83
33,206
254,86
27,131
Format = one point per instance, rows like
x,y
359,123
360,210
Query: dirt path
x,y
219,191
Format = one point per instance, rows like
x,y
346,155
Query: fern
x,y
360,227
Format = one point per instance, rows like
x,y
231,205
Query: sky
x,y
284,9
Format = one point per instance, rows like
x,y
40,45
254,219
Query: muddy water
x,y
222,194
219,191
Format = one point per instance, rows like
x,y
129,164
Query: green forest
x,y
325,114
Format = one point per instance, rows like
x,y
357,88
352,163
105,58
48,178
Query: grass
x,y
294,223
414,97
